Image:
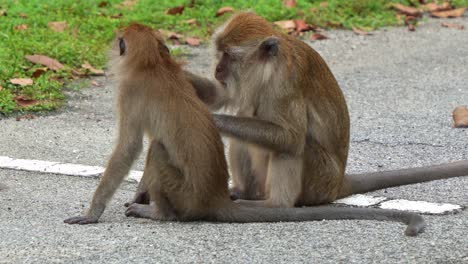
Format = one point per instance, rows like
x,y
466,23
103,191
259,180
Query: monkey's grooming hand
x,y
81,220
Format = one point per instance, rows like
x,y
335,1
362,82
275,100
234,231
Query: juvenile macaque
x,y
290,137
185,173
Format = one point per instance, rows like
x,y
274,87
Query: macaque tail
x,y
366,182
242,214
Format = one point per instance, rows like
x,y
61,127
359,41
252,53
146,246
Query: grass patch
x,y
91,25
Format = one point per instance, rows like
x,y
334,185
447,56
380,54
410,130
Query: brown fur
x,y
185,173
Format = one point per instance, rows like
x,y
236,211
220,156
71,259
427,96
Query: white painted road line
x,y
358,200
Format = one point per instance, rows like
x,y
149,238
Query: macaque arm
x,y
211,93
260,132
128,147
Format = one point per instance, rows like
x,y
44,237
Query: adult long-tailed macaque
x,y
185,173
290,137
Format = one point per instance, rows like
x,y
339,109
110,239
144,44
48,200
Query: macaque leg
x,y
245,185
283,184
159,174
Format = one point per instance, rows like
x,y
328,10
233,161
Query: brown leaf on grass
x,y
91,69
58,26
3,12
116,16
193,41
460,117
192,21
289,3
450,25
20,27
1,88
288,25
26,116
407,10
23,15
302,26
450,13
24,101
433,7
323,4
127,4
224,10
411,22
103,4
22,81
46,61
318,36
38,72
178,10
361,32
170,34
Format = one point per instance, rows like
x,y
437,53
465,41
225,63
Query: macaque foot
x,y
140,198
235,193
142,211
81,220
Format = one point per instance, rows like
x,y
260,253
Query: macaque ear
x,y
122,46
270,46
164,48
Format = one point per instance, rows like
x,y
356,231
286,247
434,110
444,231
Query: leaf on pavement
x,y
433,7
460,117
20,27
449,13
58,26
46,61
318,36
178,10
91,69
289,3
26,116
407,10
361,32
451,25
224,10
24,101
301,26
193,41
288,25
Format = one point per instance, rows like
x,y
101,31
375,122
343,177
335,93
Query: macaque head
x,y
247,49
139,46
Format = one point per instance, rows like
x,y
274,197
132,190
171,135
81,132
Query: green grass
x,y
91,28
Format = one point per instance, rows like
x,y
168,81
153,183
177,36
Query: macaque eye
x,y
121,46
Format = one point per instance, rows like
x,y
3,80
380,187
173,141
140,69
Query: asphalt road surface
x,y
401,88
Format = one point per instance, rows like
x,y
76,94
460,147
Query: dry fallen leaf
x,y
407,10
22,81
119,15
460,117
431,7
170,34
23,15
301,25
411,22
20,27
288,25
26,116
1,88
58,26
103,4
318,36
361,32
91,69
46,61
192,21
323,4
193,41
450,13
127,4
224,10
289,3
38,72
450,25
175,10
24,101
94,83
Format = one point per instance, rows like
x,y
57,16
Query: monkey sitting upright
x,y
185,173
